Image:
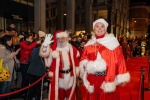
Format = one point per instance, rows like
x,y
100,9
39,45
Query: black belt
x,y
100,73
65,71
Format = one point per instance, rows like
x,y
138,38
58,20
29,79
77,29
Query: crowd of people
x,y
97,60
20,54
135,47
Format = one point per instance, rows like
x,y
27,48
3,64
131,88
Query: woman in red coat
x,y
102,65
26,47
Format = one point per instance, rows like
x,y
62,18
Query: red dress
x,y
105,57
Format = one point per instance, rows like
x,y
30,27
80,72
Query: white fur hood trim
x,y
109,41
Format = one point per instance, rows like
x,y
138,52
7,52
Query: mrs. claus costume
x,y
102,67
63,64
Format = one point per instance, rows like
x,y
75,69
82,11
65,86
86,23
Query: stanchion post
x,y
142,85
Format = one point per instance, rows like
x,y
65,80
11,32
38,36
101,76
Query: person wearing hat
x,y
102,65
35,71
63,60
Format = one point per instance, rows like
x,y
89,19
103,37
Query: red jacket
x,y
25,51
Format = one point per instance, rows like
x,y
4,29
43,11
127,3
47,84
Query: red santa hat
x,y
102,21
58,34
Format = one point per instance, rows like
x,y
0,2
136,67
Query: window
x,y
30,2
16,0
2,23
24,1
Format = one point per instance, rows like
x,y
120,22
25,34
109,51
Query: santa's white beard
x,y
61,45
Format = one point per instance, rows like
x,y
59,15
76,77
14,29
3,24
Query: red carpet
x,y
131,90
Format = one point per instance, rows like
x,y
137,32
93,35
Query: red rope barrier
x,y
10,93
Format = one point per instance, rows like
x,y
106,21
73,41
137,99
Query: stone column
x,y
39,15
60,15
88,16
70,15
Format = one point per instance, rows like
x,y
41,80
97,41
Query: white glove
x,y
48,40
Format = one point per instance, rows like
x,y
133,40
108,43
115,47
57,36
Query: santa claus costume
x,y
63,64
102,67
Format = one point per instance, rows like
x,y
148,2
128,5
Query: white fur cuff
x,y
90,89
122,78
108,87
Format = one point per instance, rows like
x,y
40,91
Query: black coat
x,y
36,66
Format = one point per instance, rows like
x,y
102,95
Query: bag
x,y
16,66
4,73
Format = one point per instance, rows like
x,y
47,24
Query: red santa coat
x,y
54,60
107,57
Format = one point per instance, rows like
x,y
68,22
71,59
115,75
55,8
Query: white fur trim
x,y
87,84
66,82
82,65
55,54
74,72
66,99
109,41
61,34
101,20
56,77
91,89
65,58
77,71
48,60
99,65
83,62
108,87
122,78
78,54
